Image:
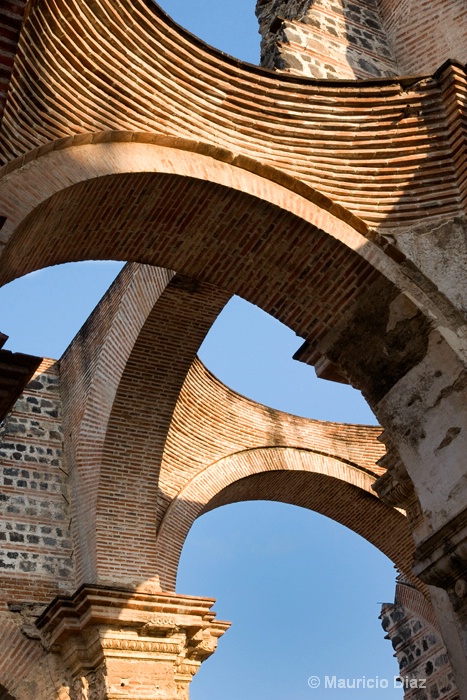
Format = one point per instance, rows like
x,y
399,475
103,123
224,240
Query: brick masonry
x,y
37,526
147,146
351,144
424,33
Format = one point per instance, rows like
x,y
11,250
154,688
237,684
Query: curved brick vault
x,y
240,225
329,204
125,66
296,476
161,458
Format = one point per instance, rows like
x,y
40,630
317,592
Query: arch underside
x,y
227,230
227,225
152,451
241,227
122,65
318,482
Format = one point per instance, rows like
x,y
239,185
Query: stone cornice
x,y
103,634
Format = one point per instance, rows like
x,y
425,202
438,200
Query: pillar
x,y
116,644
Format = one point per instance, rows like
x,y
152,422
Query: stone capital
x,y
120,644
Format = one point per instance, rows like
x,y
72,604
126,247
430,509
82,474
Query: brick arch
x,y
91,371
138,344
305,478
221,219
204,211
129,492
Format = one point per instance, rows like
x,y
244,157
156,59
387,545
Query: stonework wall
x,y
410,625
361,38
35,561
325,38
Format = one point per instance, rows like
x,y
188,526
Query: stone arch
x,y
299,477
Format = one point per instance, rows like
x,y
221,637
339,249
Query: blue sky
x,y
302,591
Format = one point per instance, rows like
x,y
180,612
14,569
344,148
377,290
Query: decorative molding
x,y
105,634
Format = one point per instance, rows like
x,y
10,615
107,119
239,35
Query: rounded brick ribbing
x,y
91,370
218,440
129,493
376,149
211,421
299,477
232,221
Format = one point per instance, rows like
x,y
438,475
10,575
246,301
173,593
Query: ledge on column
x,y
130,644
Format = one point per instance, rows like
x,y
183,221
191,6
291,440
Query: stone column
x,y
125,645
413,373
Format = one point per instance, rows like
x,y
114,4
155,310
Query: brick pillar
x,y
124,645
452,78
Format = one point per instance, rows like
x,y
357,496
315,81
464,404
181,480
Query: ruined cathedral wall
x,y
36,561
411,627
361,39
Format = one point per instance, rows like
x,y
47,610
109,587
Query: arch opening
x,y
66,295
302,602
313,480
252,353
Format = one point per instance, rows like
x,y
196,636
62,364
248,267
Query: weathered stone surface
x,y
411,627
325,38
35,528
120,644
447,269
